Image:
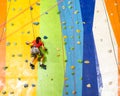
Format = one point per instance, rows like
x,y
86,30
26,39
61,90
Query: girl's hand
x,y
27,43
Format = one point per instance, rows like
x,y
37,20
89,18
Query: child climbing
x,y
35,51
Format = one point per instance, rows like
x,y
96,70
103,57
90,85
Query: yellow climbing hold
x,y
65,37
72,67
78,30
78,42
65,78
58,49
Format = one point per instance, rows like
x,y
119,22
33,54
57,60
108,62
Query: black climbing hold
x,y
5,67
25,85
19,78
13,55
33,85
28,32
26,61
46,12
31,8
45,37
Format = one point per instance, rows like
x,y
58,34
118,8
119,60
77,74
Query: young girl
x,y
35,51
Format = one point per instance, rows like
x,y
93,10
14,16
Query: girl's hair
x,y
37,39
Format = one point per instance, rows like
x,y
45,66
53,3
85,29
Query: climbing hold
x,y
65,60
22,32
110,83
33,85
73,73
78,30
76,12
71,27
28,32
4,92
84,22
69,2
46,12
64,27
73,92
58,49
58,12
12,24
110,51
15,43
36,23
78,42
80,61
72,67
9,0
77,22
51,79
78,36
72,37
70,7
45,37
63,22
58,55
11,92
66,85
13,9
25,85
38,3
19,78
8,43
88,85
65,37
66,93
115,3
97,11
19,55
63,7
72,48
101,40
5,67
31,8
86,62
13,55
65,78
65,43
26,61
81,78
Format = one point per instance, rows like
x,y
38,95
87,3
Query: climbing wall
x,y
82,38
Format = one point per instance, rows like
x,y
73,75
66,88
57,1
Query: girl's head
x,y
38,39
